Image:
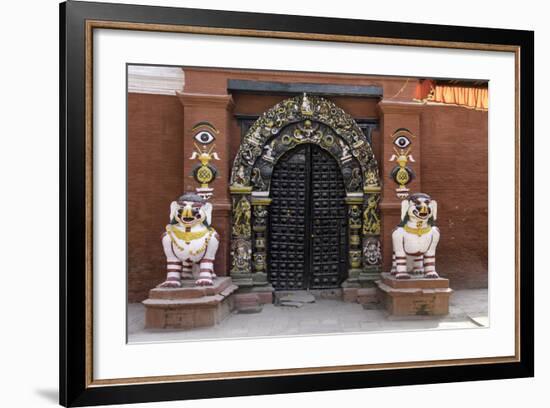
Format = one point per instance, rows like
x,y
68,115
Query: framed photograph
x,y
257,204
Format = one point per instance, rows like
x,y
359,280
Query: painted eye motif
x,y
402,142
204,137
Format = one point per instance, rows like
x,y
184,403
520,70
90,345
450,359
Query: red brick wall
x,y
453,168
454,172
155,126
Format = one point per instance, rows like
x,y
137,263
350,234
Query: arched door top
x,y
300,133
305,112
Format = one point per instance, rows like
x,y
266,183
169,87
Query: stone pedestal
x,y
414,297
189,306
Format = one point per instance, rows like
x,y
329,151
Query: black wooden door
x,y
308,236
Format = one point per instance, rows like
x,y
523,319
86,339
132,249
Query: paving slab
x,y
468,310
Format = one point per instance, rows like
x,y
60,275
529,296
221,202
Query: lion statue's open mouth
x,y
423,213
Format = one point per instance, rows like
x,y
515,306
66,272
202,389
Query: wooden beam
x,y
292,88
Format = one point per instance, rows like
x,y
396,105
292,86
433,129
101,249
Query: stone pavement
x,y
468,309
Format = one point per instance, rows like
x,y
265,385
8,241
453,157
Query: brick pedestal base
x,y
363,296
414,297
190,306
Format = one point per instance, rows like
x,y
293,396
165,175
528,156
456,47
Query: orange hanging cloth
x,y
473,97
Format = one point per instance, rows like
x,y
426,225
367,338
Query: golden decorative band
x,y
372,189
260,201
417,231
186,236
240,189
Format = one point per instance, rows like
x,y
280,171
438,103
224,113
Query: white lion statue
x,y
190,241
415,239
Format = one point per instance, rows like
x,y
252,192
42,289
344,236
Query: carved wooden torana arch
x,y
294,121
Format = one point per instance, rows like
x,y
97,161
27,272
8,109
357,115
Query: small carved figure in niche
x,y
306,106
250,152
415,239
307,131
372,253
240,251
259,262
240,177
268,155
260,215
189,241
371,220
346,156
257,179
355,259
355,179
256,137
354,216
241,221
371,178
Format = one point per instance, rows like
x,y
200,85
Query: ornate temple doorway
x,y
308,221
304,195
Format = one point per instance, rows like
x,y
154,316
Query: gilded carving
x,y
308,109
241,218
355,180
354,216
268,156
371,218
240,254
257,180
294,121
259,262
239,177
371,177
355,259
260,215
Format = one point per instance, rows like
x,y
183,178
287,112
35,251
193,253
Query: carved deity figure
x,y
240,177
257,179
241,218
355,179
371,220
415,239
372,253
190,243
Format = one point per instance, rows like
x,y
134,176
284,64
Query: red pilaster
x,y
217,110
394,116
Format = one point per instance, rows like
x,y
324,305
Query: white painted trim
x,y
260,194
155,80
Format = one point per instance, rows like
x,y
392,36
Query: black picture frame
x,y
75,387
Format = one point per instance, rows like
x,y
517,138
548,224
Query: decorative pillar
x,y
259,259
215,110
354,202
371,250
396,116
241,236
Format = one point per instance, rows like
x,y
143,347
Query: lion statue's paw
x,y
204,282
170,284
